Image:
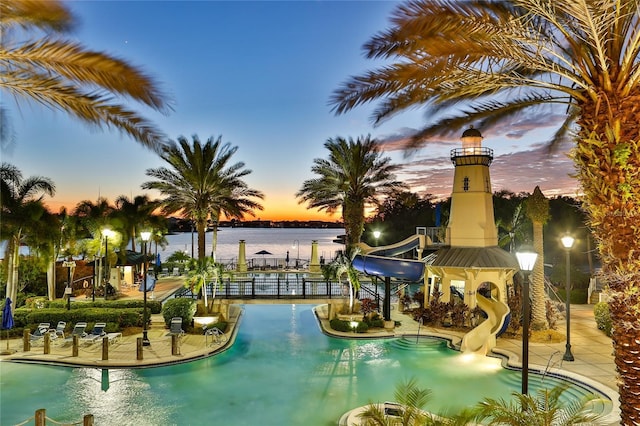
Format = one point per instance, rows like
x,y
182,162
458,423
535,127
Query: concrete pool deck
x,y
592,349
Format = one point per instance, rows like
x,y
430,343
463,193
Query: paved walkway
x,y
592,350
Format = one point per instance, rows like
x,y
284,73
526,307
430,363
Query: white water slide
x,y
483,338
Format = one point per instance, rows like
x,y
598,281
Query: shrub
x,y
340,325
362,327
603,317
418,297
406,302
179,307
368,306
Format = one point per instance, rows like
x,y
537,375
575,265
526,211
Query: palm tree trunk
x,y
10,284
539,303
353,216
214,241
15,263
51,278
201,227
607,161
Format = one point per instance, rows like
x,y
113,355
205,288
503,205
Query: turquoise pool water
x,y
281,371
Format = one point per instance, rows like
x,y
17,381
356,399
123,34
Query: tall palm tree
x,y
65,76
354,175
506,59
537,210
200,181
21,208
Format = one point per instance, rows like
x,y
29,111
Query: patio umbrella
x,y
263,253
287,259
7,318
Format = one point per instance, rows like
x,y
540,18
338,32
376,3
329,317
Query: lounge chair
x,y
38,335
216,335
176,327
96,334
59,331
78,330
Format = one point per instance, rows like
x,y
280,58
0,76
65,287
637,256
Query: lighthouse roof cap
x,y
471,132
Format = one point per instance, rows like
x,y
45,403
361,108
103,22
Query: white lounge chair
x,y
96,334
38,335
175,327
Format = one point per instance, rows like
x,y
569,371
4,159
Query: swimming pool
x,y
281,370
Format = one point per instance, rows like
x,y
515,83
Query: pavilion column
x,y
242,257
314,266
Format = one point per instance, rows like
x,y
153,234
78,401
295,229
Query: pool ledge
x,y
123,353
509,359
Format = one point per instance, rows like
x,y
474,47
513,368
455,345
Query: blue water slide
x,y
379,261
404,269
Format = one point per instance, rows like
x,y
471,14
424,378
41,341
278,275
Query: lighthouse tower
x,y
471,220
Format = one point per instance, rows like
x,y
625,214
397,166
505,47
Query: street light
x,y
376,235
567,242
526,259
106,233
296,244
145,237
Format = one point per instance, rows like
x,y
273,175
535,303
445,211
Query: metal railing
x,y
291,287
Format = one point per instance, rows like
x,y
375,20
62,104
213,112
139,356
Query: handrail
x,y
550,287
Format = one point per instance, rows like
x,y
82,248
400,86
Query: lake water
x,y
276,241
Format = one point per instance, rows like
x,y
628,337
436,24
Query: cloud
x,y
534,124
516,172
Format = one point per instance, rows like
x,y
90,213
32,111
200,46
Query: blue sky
x,y
260,74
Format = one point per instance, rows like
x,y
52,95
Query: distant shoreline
x,y
184,225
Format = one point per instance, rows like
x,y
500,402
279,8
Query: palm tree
x,y
537,210
133,215
341,265
412,399
505,59
21,210
65,76
201,181
234,202
94,218
545,409
354,175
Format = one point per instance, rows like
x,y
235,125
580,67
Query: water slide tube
x,y
483,338
378,260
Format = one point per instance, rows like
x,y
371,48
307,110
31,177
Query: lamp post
x,y
526,259
106,233
145,238
376,235
567,242
296,244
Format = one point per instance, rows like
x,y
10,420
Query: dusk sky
x,y
260,74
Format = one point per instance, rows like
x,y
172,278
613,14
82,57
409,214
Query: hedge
x,y
155,306
603,317
116,318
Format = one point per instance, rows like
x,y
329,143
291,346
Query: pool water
x,y
281,371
